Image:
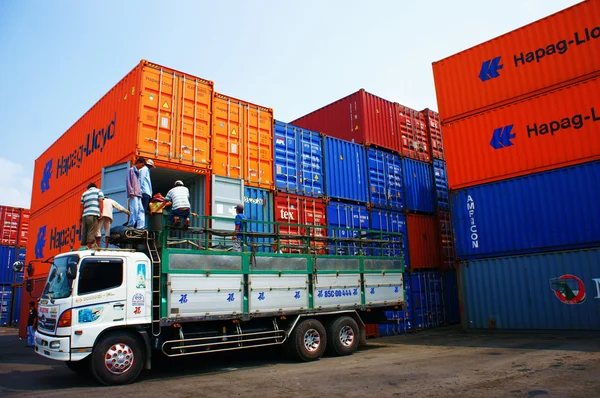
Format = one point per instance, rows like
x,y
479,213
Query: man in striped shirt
x,y
92,204
179,198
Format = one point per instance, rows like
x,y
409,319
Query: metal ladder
x,y
156,271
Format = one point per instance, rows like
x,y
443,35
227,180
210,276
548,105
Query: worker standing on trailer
x,y
106,218
179,198
240,226
146,183
92,204
134,193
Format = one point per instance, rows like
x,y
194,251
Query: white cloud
x,y
15,184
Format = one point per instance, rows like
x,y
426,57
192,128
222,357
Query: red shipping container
x,y
360,117
434,133
554,130
14,226
38,287
294,209
423,241
413,128
153,111
549,53
447,245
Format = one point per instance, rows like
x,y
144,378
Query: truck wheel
x,y
343,336
82,367
307,341
117,359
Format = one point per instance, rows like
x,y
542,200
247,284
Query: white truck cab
x,y
88,294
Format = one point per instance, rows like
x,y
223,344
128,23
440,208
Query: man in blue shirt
x,y
133,184
146,183
240,226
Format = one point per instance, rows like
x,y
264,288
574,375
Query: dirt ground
x,y
438,363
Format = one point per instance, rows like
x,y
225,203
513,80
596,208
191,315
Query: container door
x,y
258,207
175,117
113,186
5,304
227,137
286,158
258,141
227,193
310,150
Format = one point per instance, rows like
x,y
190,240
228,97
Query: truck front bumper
x,y
53,347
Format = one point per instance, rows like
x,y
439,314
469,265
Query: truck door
x,y
99,298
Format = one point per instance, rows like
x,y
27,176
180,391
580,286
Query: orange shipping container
x,y
153,111
242,141
554,130
548,53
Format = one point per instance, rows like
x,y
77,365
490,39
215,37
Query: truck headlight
x,y
55,344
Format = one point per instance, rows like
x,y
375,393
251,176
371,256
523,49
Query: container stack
x,y
14,231
522,151
385,171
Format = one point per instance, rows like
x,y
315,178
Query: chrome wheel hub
x,y
312,340
346,336
118,358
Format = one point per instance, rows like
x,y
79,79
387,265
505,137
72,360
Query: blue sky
x,y
57,58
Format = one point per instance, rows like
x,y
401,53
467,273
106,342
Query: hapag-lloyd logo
x,y
58,239
95,141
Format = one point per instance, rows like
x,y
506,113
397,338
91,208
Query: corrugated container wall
x,y
346,221
385,179
16,310
38,286
451,301
441,184
413,130
242,141
258,207
293,210
8,256
427,299
447,241
549,291
345,170
423,241
418,184
554,210
360,117
14,226
298,160
557,129
386,220
434,132
547,53
6,299
153,111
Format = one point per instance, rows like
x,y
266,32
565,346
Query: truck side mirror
x,y
72,270
29,286
18,266
29,269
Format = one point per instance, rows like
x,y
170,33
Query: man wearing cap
x,y
179,198
134,193
240,226
146,184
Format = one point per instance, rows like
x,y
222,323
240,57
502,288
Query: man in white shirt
x,y
179,198
106,218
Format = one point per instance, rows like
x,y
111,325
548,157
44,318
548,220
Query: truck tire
x,y
82,368
117,358
343,336
307,341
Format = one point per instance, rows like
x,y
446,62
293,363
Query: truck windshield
x,y
58,285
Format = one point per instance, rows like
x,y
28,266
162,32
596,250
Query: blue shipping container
x,y
298,160
351,220
345,170
390,221
451,302
258,207
5,304
16,310
427,299
554,210
545,291
418,185
385,179
8,255
441,184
